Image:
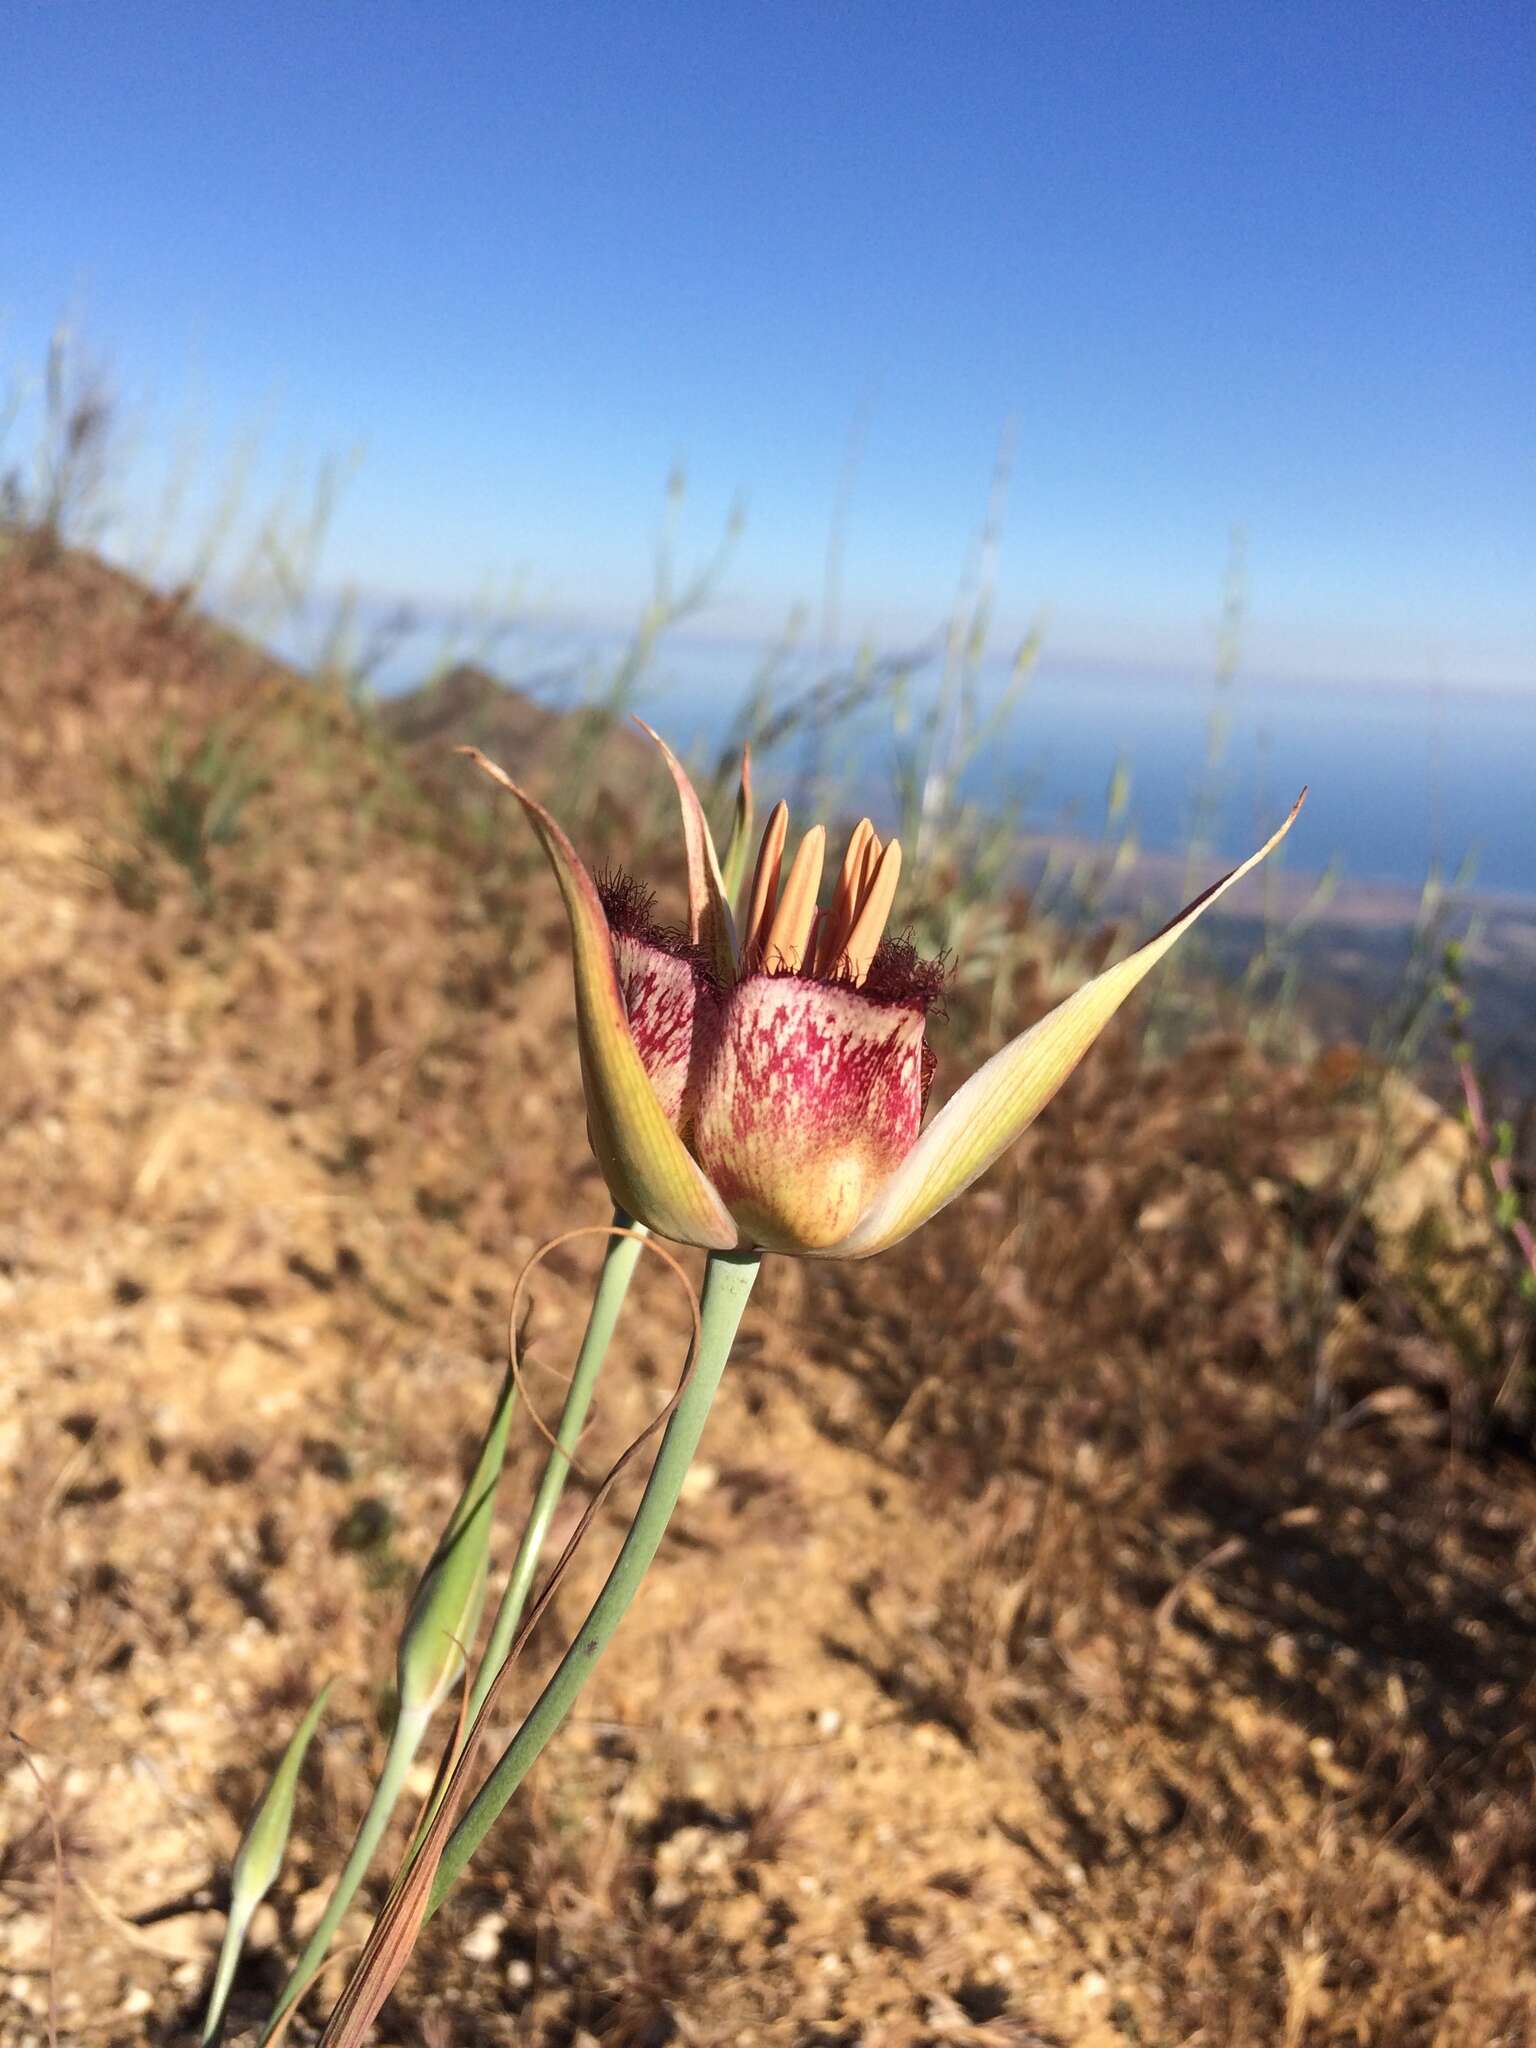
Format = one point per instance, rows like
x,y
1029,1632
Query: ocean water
x,y
1402,780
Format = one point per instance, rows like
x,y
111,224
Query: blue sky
x,y
1220,265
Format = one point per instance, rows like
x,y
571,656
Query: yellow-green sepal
x,y
999,1102
649,1170
709,915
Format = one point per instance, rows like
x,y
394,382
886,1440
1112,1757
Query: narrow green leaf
x,y
738,850
422,1885
260,1854
619,1262
259,1858
445,1613
728,1281
443,1620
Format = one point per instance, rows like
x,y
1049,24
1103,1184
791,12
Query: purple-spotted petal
x,y
672,1012
811,1099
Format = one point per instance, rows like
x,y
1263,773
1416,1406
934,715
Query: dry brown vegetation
x,y
1107,1620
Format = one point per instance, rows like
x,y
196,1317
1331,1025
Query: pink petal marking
x,y
672,1015
811,1098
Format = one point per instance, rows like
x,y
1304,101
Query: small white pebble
x,y
828,1721
519,1974
137,2002
699,1479
266,1929
483,1939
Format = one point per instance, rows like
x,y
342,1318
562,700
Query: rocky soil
x,y
1107,1621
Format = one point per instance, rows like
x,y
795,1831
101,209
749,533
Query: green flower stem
x,y
409,1729
727,1283
612,1286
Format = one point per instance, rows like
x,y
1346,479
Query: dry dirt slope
x,y
1023,1667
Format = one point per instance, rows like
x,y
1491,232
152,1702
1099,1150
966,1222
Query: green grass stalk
x,y
619,1264
444,1617
235,1929
728,1282
612,1286
404,1742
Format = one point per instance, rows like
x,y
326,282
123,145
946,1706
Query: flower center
x,y
785,932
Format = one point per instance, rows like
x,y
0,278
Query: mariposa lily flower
x,y
767,1088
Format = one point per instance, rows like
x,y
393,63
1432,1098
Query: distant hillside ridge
x,y
469,706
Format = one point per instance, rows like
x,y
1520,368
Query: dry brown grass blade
x,y
56,1922
324,1969
394,1933
1164,1614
